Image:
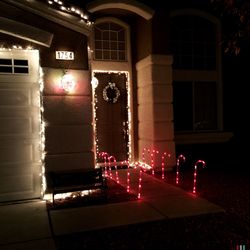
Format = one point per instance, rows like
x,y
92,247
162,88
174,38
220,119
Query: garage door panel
x,y
15,97
16,183
18,126
7,170
15,126
25,183
10,155
20,111
13,151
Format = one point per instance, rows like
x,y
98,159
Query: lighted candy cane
x,y
183,159
100,155
152,153
128,175
143,157
105,156
116,172
136,164
139,184
163,164
203,163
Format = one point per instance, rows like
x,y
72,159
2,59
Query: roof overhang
x,y
26,32
67,20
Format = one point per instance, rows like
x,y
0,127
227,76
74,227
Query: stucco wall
x,y
68,118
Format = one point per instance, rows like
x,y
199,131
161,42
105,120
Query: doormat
x,y
115,193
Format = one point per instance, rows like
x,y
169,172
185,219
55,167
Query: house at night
x,y
108,76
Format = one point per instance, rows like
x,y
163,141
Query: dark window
x,y
205,106
14,66
5,69
20,62
5,62
19,70
193,43
195,106
183,106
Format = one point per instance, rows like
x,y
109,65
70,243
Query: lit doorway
x,y
111,115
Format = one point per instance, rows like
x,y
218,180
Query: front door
x,y
112,114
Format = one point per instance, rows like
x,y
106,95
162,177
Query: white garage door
x,y
20,156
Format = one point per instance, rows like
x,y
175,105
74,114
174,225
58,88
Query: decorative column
x,y
155,107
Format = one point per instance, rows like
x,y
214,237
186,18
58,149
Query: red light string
x,y
105,156
152,154
128,175
143,157
116,172
182,159
128,180
203,164
139,184
163,157
109,167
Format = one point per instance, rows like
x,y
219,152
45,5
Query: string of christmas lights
x,y
42,132
182,159
163,158
94,84
110,168
203,164
15,47
70,9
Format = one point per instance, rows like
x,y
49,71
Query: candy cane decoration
x,y
152,153
163,164
116,172
105,156
109,166
128,175
183,159
143,157
139,184
128,180
203,164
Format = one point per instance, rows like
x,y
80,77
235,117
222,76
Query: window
x,y
195,106
110,42
14,66
197,94
193,43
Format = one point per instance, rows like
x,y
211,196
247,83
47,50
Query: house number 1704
x,y
64,55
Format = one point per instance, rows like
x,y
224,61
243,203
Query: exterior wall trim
x,y
66,20
154,59
190,11
133,6
195,138
26,32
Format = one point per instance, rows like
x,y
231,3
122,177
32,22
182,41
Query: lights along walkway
x,y
167,199
159,201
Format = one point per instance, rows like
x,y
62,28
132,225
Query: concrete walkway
x,y
31,226
25,226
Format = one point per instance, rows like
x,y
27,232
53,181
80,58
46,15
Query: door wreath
x,y
111,93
